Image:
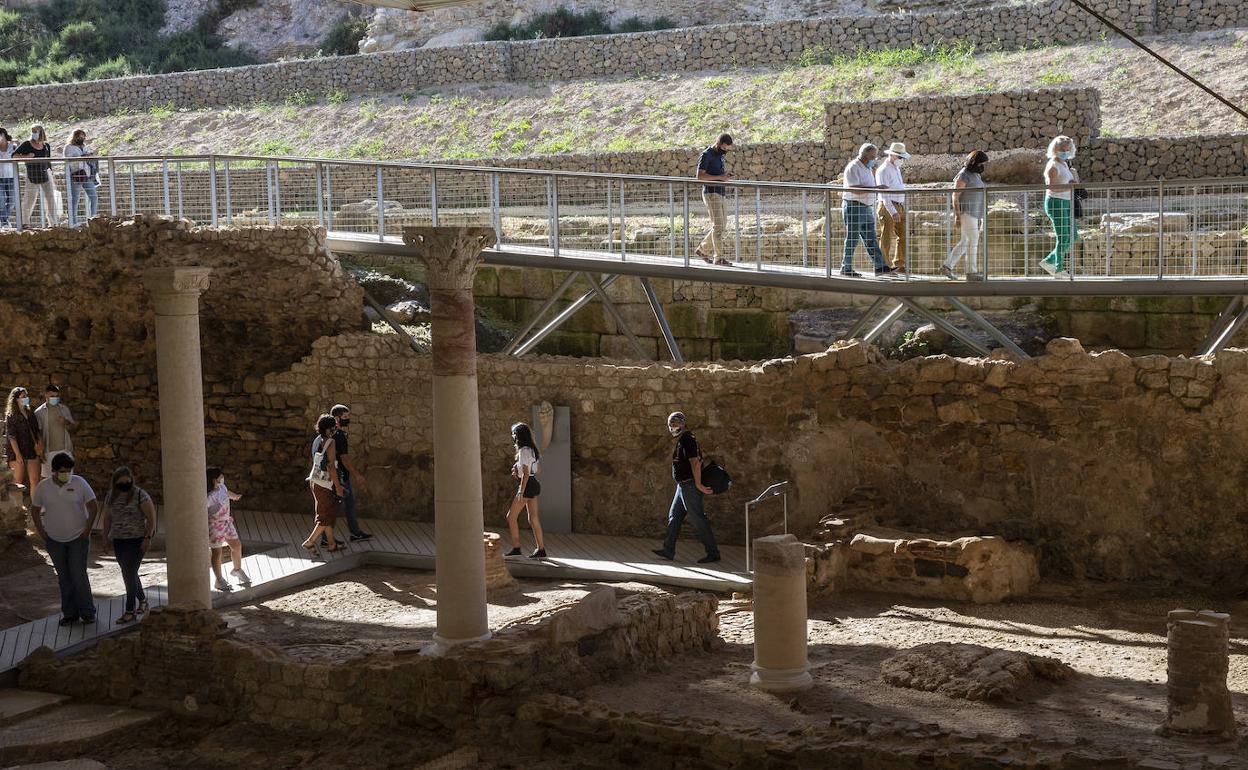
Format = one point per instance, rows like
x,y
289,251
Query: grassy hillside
x,y
1139,97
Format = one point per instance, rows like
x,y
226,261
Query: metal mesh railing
x,y
1181,229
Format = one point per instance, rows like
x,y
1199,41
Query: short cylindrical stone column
x,y
451,256
1199,657
175,294
780,663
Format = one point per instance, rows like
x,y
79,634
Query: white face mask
x,y
675,429
63,476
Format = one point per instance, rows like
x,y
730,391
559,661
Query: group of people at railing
x,y
81,178
873,208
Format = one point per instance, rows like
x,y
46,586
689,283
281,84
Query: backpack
x,y
715,477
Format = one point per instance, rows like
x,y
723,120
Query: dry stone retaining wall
x,y
759,44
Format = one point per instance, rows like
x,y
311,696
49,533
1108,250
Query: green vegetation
x,y
66,40
344,39
565,23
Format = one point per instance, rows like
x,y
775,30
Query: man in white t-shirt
x,y
858,211
64,511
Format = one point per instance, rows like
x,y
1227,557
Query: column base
x,y
441,645
781,679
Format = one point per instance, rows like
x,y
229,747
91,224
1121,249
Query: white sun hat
x,y
898,149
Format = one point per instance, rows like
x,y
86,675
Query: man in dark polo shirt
x,y
687,472
711,168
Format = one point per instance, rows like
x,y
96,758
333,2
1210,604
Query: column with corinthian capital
x,y
451,256
175,294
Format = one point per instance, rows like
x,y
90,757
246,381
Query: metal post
x,y
758,226
983,323
623,227
229,204
134,204
905,228
686,227
381,207
212,186
320,201
164,175
498,209
546,306
949,328
554,197
1026,234
1109,237
178,176
610,220
805,241
433,197
892,315
1161,215
550,219
671,218
277,192
329,199
861,324
268,184
827,230
983,238
18,168
616,316
112,187
736,215
661,318
563,316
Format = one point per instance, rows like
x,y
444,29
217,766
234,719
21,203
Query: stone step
x,y
68,728
16,705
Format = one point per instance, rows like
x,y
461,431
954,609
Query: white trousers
x,y
968,246
45,193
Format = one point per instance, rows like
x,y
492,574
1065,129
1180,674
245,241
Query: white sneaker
x,y
1062,274
947,272
1048,267
224,585
240,576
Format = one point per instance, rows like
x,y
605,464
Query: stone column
x,y
175,294
780,663
1199,657
451,256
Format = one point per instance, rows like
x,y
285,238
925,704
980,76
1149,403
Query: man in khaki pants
x,y
711,168
892,207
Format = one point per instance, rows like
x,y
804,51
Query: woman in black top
x,y
39,180
23,445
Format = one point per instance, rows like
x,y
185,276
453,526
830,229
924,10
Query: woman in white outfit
x,y
969,210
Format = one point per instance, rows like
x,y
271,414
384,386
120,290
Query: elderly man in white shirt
x,y
858,211
891,214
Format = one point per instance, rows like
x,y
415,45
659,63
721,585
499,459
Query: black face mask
x,y
125,486
343,423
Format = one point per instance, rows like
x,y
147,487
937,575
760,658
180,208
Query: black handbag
x,y
716,478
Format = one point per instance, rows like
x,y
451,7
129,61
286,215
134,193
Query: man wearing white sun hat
x,y
892,206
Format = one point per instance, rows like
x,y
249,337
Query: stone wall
x,y
958,124
187,663
729,46
75,313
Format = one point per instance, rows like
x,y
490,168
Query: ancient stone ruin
x,y
1198,698
971,671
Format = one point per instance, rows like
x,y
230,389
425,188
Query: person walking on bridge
x,y
1059,204
41,184
712,168
858,211
891,214
969,211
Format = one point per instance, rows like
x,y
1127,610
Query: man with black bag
x,y
687,472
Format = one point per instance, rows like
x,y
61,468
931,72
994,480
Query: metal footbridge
x,y
1162,238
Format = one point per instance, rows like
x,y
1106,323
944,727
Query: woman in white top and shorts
x,y
525,470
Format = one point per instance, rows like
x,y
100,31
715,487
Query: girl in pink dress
x,y
222,532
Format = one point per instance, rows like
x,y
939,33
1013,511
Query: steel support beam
x,y
897,312
1227,334
860,325
661,319
983,323
615,313
380,309
1219,326
952,330
528,327
563,316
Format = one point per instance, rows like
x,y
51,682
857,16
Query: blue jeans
x,y
688,502
93,199
859,225
6,199
70,561
129,552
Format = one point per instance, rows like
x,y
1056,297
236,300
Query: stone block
x,y
592,613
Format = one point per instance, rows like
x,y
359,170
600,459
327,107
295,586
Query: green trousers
x,y
1061,215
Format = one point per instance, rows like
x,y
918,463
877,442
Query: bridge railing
x,y
1168,229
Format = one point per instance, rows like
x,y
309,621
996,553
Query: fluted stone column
x,y
175,294
780,663
451,256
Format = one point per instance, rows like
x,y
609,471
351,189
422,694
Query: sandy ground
x,y
383,608
1116,646
1139,97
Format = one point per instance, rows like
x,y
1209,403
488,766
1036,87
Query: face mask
x,y
125,486
675,429
24,401
1066,155
871,163
898,161
54,400
63,476
221,482
34,137
344,422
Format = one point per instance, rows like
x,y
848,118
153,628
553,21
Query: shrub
x,y
563,22
344,39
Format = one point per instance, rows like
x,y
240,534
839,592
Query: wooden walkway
x,y
276,562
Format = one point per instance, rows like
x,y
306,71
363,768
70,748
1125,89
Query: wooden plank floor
x,y
280,563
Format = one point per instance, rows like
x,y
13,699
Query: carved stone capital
x,y
176,290
450,254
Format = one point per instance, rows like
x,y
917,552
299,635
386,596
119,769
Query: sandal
x,y
142,610
309,546
127,617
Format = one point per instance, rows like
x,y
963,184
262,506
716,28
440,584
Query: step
x,y
65,764
69,727
16,705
